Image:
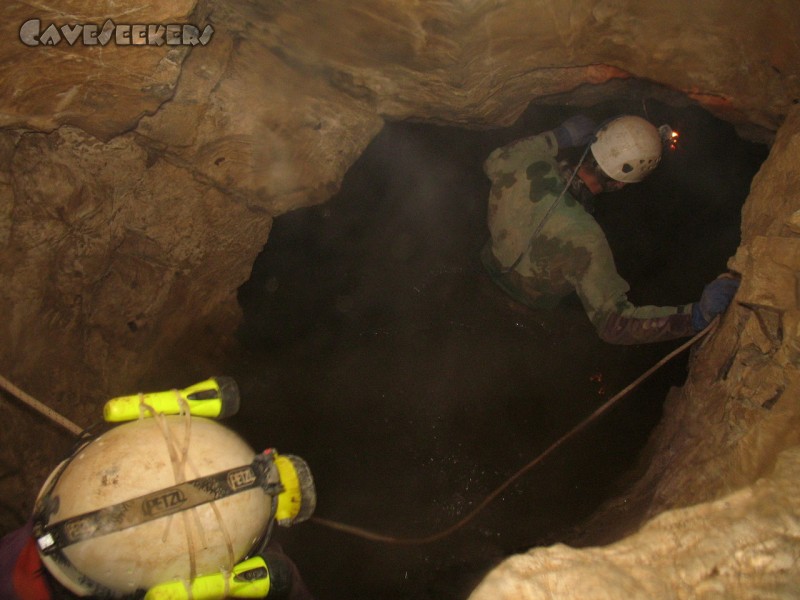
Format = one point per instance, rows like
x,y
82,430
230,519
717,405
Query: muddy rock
x,y
740,546
137,185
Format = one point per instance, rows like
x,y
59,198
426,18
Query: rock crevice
x,y
138,184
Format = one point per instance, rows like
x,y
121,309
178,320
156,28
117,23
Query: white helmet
x,y
152,501
627,148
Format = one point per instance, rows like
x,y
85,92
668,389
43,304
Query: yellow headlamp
x,y
249,579
214,398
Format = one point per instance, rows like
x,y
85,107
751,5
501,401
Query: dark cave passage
x,y
377,349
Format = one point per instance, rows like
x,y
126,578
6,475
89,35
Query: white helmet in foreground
x,y
628,148
163,499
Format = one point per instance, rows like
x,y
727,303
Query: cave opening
x,y
375,347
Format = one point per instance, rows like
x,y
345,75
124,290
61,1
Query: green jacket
x,y
570,251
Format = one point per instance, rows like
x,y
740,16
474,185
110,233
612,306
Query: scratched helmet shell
x,y
627,148
146,459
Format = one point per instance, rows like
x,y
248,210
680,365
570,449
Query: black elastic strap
x,y
155,505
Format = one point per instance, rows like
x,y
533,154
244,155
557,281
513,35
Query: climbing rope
x,y
390,539
40,408
410,541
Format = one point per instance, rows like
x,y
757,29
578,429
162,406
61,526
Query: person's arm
x,y
603,293
635,326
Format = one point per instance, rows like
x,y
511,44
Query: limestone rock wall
x,y
103,91
720,488
268,116
741,546
137,184
738,409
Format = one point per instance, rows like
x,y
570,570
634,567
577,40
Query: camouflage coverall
x,y
569,253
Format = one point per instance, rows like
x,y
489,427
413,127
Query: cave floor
x,y
408,426
376,349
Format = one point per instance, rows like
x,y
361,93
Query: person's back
x,y
544,244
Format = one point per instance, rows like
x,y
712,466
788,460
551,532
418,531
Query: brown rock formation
x,y
730,548
137,184
727,447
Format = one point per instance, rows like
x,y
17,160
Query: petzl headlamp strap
x,y
261,473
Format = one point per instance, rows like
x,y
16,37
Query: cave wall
x,y
738,408
137,184
716,513
267,117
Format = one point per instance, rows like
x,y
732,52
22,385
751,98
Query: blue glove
x,y
575,131
716,297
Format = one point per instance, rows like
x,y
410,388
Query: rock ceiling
x,y
139,182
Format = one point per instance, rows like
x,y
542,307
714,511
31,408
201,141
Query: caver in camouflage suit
x,y
570,252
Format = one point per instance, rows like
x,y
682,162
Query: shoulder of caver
x,y
520,153
571,223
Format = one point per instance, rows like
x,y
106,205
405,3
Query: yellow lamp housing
x,y
299,499
248,579
214,398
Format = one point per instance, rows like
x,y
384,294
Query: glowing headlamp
x,y
669,137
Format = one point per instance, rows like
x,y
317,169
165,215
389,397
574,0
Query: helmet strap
x,y
261,473
578,188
